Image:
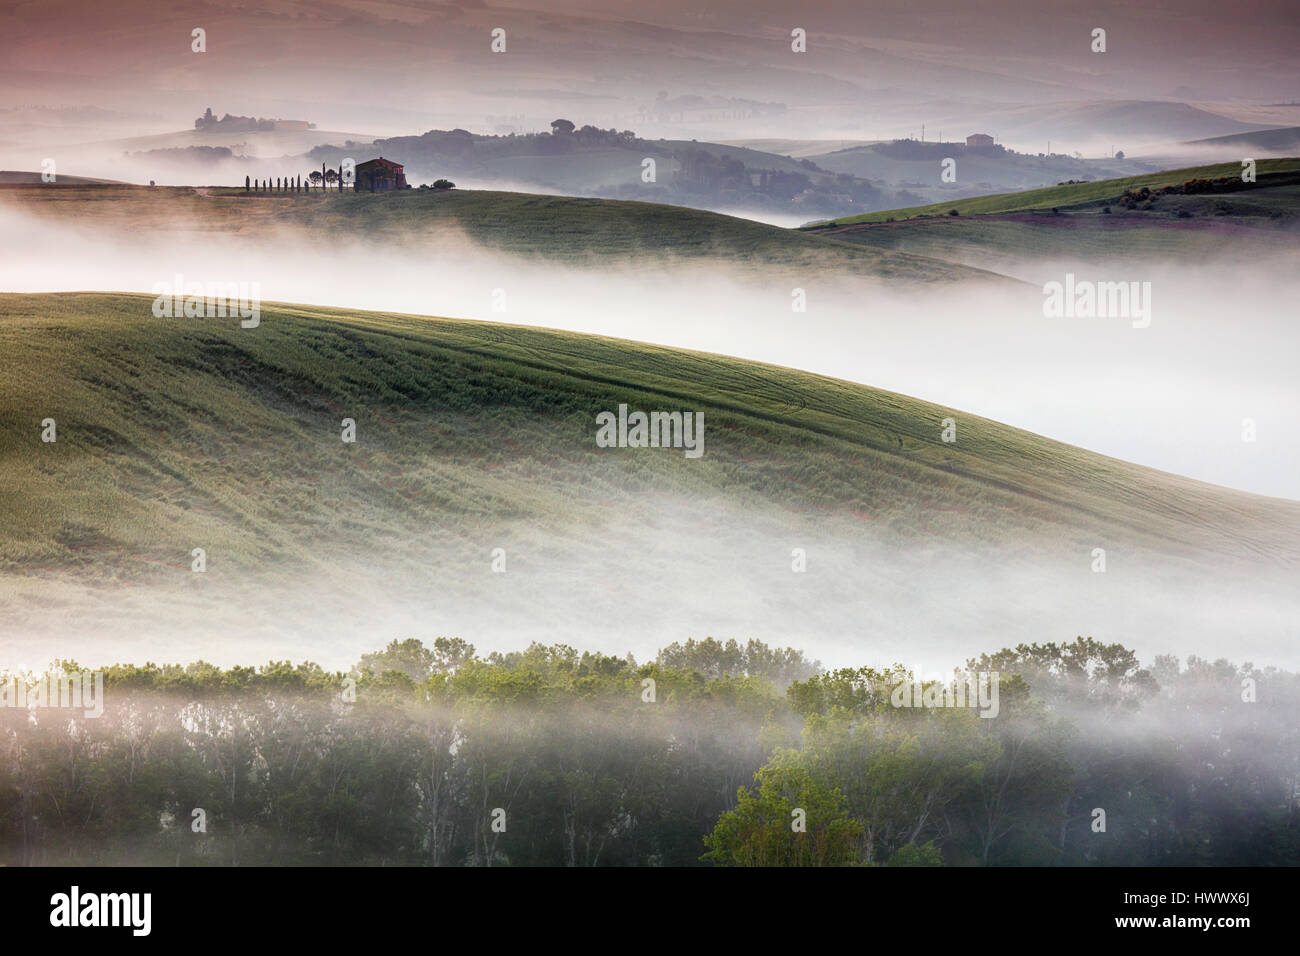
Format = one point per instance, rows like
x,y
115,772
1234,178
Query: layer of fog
x,y
637,576
1219,349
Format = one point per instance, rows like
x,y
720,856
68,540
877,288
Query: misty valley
x,y
356,507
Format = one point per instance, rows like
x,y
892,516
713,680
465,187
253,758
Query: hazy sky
x,y
874,70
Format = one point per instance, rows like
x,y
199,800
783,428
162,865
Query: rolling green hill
x,y
1088,222
1062,197
177,430
1283,139
476,441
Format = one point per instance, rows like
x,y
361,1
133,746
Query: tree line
x,y
714,753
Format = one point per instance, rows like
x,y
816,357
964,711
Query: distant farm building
x,y
979,139
380,175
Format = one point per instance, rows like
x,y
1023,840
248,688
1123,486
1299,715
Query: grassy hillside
x,y
473,437
1063,197
1091,224
553,227
1005,243
1284,139
172,431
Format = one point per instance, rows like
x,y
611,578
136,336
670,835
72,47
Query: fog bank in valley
x,y
1172,395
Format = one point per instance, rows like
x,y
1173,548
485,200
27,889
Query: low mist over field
x,y
477,502
638,574
1172,395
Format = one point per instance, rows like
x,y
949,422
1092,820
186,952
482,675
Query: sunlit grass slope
x,y
172,431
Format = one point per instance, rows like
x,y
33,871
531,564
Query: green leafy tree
x,y
762,829
409,657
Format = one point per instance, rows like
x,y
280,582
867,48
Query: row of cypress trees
x,y
294,184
